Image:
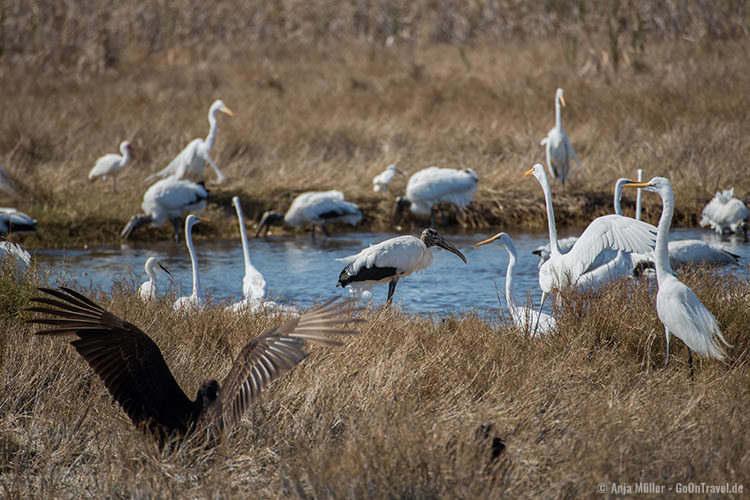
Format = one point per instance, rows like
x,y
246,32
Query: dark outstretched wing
x,y
278,349
126,359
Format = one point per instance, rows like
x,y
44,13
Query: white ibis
x,y
524,318
677,306
11,220
194,301
557,145
613,232
391,260
381,181
110,165
147,290
429,187
168,199
197,153
726,214
316,208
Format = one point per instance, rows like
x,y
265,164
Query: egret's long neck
x,y
558,113
618,199
638,196
509,275
193,261
243,235
212,129
661,251
554,247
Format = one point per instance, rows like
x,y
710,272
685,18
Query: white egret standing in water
x,y
194,301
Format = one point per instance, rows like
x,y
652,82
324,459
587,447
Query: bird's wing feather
x,y
129,363
173,194
439,184
277,350
104,165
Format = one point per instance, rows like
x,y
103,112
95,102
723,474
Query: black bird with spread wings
x,y
136,375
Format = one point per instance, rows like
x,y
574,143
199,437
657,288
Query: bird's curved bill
x,y
451,248
562,100
164,268
488,240
227,110
637,184
529,173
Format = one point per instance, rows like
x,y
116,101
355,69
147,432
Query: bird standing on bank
x,y
381,181
557,145
677,306
391,260
110,165
197,153
316,208
134,371
429,187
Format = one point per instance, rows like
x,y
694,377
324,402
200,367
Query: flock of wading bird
x,y
136,375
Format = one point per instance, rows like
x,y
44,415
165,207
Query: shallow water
x,y
300,272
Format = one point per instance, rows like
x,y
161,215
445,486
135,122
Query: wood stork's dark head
x,y
430,238
269,217
402,203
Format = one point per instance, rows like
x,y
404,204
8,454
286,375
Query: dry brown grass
x,y
394,412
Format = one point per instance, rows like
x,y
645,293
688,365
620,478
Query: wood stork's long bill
x,y
268,218
430,238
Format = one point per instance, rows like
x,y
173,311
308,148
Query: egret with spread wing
x,y
134,371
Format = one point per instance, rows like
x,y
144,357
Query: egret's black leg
x,y
325,230
176,225
442,215
432,217
391,290
690,362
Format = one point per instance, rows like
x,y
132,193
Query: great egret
x,y
110,165
523,317
613,232
197,153
557,145
381,181
134,371
194,301
147,290
168,199
391,260
315,208
678,308
726,214
11,220
427,188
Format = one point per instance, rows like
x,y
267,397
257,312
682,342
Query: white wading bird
x,y
557,145
679,310
613,232
197,153
316,208
147,290
381,181
20,258
194,301
523,317
391,260
11,220
110,165
168,199
726,214
429,187
253,283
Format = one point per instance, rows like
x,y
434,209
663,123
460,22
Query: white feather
x,y
433,185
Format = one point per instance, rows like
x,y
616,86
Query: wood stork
x,y
168,199
110,165
726,214
391,260
197,153
134,371
18,258
613,232
316,208
147,290
428,187
678,308
194,301
557,145
253,283
381,181
11,220
523,317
